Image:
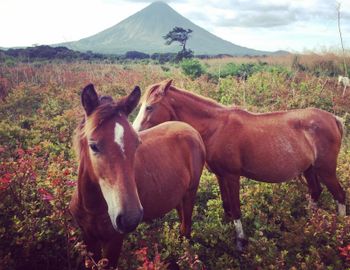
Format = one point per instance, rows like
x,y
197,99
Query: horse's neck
x,y
199,113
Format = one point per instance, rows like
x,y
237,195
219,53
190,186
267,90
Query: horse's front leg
x,y
111,249
92,245
231,185
225,197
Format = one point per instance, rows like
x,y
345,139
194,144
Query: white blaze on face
x,y
239,228
137,122
111,197
119,135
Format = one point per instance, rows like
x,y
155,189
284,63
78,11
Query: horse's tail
x,y
341,126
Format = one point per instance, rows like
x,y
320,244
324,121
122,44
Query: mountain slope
x,y
144,32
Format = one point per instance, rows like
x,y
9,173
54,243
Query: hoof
x,y
241,244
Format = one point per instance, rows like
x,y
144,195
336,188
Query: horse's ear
x,y
165,86
132,100
89,99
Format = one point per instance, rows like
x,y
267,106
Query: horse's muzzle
x,y
128,223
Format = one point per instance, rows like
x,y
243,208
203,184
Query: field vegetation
x,y
40,108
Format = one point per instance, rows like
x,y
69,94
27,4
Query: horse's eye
x,y
149,108
94,147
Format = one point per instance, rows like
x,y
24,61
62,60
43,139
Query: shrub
x,y
35,225
192,68
163,57
136,55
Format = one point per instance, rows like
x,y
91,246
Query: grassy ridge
x,y
40,108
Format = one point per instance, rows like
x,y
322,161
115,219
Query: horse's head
x,y
155,107
340,79
109,152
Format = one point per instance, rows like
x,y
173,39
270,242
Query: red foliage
x,y
5,180
142,256
45,195
345,253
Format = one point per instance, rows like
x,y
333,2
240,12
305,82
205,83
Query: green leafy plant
x,y
192,68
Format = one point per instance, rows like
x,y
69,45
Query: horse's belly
x,y
153,212
272,177
275,170
157,205
277,158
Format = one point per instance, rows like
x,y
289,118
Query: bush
x,y
192,68
184,54
35,225
136,55
244,70
163,57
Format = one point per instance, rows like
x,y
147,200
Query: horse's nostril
x,y
120,222
126,225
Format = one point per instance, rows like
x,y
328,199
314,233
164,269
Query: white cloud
x,y
274,24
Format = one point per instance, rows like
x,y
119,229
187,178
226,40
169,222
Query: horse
x,y
127,177
271,147
345,81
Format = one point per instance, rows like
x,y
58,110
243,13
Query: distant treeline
x,y
45,52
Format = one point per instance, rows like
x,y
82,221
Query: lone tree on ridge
x,y
180,35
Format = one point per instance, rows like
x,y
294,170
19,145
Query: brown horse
x,y
125,177
272,147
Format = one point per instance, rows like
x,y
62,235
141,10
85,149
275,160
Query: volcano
x,y
144,32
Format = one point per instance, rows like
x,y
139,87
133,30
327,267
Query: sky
x,y
271,25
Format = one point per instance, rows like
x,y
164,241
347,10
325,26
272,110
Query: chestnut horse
x,y
125,177
271,147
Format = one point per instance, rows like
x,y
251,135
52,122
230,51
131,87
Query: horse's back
x,y
173,134
168,162
297,139
315,121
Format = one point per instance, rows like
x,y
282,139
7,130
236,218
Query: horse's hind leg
x,y
180,213
314,186
185,210
329,178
